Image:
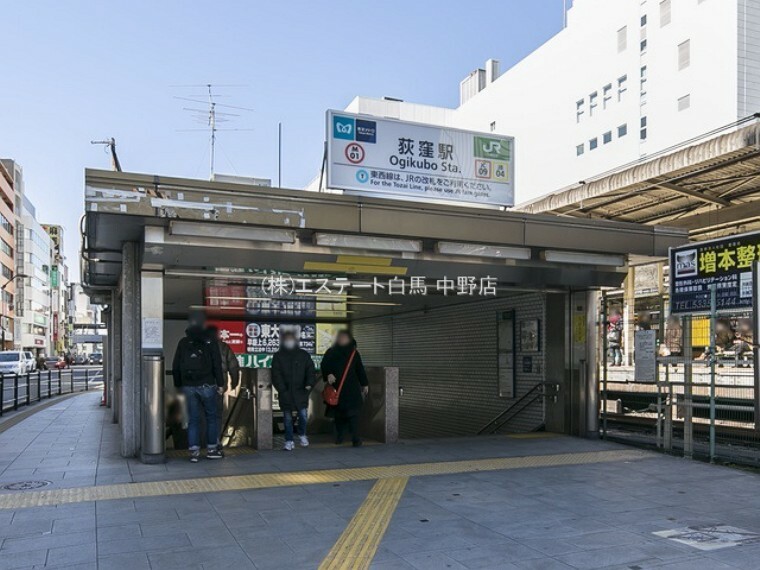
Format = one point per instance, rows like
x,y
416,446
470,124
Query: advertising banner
x,y
264,338
385,157
726,263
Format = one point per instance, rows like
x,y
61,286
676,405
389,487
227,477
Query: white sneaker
x,y
289,446
303,440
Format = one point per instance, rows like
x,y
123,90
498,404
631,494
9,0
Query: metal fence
x,y
17,390
703,403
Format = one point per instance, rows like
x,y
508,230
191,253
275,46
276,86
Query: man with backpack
x,y
197,372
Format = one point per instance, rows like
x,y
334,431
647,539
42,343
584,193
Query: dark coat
x,y
293,376
197,360
334,362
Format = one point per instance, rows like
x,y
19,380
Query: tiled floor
x,y
600,515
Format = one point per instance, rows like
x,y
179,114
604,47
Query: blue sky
x,y
81,70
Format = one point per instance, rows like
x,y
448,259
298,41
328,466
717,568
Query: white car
x,y
13,362
31,362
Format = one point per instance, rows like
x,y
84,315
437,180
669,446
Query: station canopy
x,y
709,186
205,233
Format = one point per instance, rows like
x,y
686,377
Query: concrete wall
x,y
749,57
447,365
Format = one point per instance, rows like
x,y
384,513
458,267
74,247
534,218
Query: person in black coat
x,y
354,389
197,372
293,377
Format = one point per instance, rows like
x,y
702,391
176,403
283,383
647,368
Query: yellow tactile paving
x,y
357,545
18,500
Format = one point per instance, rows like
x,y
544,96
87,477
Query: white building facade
x,y
33,299
623,80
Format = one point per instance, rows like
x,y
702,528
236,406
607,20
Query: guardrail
x,y
24,389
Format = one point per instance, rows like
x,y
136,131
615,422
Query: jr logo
x,y
498,149
343,128
492,147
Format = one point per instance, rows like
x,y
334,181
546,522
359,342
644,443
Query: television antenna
x,y
211,117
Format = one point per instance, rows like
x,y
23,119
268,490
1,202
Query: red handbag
x,y
330,395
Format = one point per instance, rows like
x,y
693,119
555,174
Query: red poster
x,y
233,333
225,297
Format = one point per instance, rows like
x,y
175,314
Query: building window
x,y
643,46
578,110
643,20
579,149
643,84
665,14
643,129
7,272
607,137
6,248
592,103
493,126
622,86
6,225
622,130
593,143
684,102
684,54
606,95
622,39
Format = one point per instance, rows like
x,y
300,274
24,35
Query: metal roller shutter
x,y
447,365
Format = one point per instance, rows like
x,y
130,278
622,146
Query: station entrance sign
x,y
386,157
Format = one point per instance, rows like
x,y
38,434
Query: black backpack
x,y
195,361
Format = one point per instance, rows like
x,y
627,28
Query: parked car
x,y
81,359
96,358
13,362
31,362
55,362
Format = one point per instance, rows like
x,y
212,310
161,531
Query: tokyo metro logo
x,y
344,128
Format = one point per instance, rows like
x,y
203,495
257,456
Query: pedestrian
x,y
197,371
614,340
673,336
342,368
230,364
293,376
230,374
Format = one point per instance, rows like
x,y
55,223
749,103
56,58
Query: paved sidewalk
x,y
594,515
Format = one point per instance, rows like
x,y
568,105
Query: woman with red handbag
x,y
346,388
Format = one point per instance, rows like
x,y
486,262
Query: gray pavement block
x,y
131,530
547,564
30,558
219,557
26,528
174,540
47,541
432,561
75,554
126,561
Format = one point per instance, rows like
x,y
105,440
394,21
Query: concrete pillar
x,y
263,409
592,363
116,353
131,388
107,378
629,315
152,368
380,419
